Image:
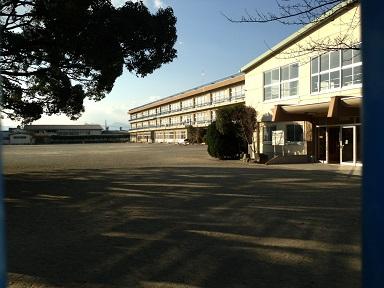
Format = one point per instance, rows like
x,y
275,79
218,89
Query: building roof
x,y
320,21
233,79
64,127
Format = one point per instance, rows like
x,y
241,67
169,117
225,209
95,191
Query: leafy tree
x,y
224,146
232,132
56,53
241,117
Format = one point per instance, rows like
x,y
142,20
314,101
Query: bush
x,y
224,146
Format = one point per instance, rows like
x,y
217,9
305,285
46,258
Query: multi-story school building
x,y
166,120
308,88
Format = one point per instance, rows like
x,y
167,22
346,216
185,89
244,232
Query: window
x,y
159,135
336,69
165,109
169,135
219,96
271,84
181,135
187,119
186,104
237,92
289,80
152,112
267,132
200,117
202,101
175,120
175,107
294,133
281,82
164,122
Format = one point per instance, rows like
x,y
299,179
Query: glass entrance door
x,y
347,145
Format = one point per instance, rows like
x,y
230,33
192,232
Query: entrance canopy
x,y
339,106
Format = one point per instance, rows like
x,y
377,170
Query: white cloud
x,y
158,4
118,3
149,3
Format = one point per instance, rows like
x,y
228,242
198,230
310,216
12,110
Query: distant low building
x,y
21,139
50,134
64,130
17,136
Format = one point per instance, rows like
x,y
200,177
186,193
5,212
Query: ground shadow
x,y
185,227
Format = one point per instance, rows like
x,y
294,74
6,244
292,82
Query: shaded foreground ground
x,y
129,215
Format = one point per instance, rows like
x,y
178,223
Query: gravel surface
x,y
153,215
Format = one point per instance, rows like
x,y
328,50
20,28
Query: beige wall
x,y
346,25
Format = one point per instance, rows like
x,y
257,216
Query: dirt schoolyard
x,y
158,215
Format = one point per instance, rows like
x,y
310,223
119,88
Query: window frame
x,y
280,82
339,69
294,141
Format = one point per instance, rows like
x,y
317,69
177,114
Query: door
x,y
321,144
334,145
347,145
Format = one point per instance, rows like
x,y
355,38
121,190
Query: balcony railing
x,y
217,101
184,124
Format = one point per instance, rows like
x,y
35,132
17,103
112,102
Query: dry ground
x,y
131,215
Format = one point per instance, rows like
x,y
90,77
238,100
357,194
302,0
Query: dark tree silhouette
x,y
56,53
238,119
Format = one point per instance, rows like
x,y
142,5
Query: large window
x,y
186,104
219,96
294,133
187,119
237,92
200,117
152,112
281,82
202,100
336,69
181,134
175,107
165,109
175,120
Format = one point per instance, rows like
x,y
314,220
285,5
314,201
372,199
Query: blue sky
x,y
209,48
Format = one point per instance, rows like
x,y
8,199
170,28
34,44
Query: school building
x,y
165,120
306,90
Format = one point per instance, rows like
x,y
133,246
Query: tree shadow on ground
x,y
185,227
